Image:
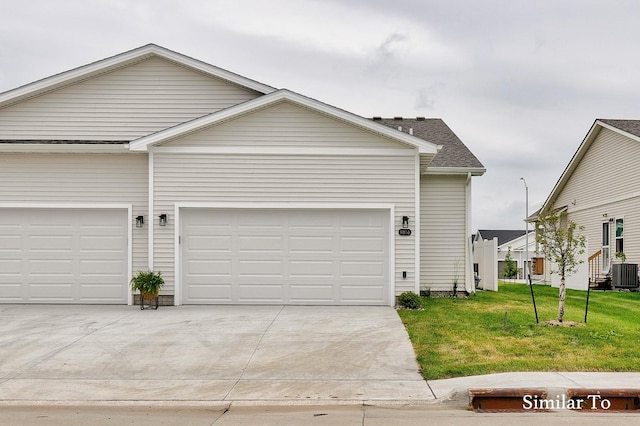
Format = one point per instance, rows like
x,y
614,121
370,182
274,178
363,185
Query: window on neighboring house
x,y
619,235
606,254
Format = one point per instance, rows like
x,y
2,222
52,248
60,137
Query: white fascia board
x,y
123,59
67,148
143,143
475,171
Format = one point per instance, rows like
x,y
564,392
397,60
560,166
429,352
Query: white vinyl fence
x,y
485,255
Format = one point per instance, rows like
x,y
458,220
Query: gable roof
x,y
628,128
142,144
453,155
122,60
503,235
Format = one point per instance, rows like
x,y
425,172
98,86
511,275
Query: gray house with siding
x,y
236,191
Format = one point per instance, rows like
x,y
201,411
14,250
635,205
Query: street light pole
x,y
526,223
526,262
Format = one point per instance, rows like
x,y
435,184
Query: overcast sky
x,y
520,82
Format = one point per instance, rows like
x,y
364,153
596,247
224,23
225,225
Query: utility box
x,y
624,275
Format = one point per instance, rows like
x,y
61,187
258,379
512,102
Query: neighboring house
x,y
516,241
599,190
236,191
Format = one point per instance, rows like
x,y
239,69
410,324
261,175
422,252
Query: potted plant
x,y
148,283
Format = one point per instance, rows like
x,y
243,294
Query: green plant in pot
x,y
148,283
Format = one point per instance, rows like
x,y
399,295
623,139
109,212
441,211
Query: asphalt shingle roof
x,y
454,153
629,126
504,235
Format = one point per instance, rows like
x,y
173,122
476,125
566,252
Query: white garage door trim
x,y
284,206
89,206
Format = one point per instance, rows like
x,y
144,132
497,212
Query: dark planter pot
x,y
149,299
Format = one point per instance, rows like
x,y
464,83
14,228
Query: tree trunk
x,y
563,293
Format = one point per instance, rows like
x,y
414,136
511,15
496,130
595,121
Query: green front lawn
x,y
464,337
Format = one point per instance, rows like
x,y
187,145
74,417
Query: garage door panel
x,y
209,268
10,243
373,245
102,268
286,256
311,269
209,243
362,294
51,242
312,294
261,243
102,243
212,293
45,291
51,267
10,267
311,244
64,256
260,292
256,268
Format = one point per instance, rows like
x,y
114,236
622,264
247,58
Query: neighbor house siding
x,y
442,228
604,186
208,178
607,171
592,219
80,179
124,104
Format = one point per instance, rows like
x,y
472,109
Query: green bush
x,y
410,300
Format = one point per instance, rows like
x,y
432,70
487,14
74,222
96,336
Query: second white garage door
x,y
322,257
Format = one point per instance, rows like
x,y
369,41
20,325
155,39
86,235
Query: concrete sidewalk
x,y
334,415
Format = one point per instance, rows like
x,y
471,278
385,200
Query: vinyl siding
x,y
442,228
123,104
607,170
210,178
592,220
80,178
304,128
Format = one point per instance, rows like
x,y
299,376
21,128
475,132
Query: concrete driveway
x,y
206,353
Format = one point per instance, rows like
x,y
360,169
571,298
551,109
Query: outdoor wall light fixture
x,y
139,221
405,226
163,220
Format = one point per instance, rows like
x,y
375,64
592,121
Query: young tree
x,y
510,267
561,242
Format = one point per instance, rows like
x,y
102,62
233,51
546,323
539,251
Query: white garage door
x,y
63,256
322,257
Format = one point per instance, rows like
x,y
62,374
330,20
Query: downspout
x,y
469,282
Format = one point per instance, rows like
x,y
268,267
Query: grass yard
x,y
464,337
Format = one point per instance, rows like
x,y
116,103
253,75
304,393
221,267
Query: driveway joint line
x,y
255,349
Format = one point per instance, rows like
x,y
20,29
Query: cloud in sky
x,y
519,82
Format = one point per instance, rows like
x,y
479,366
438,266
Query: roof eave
x,y
475,171
69,148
